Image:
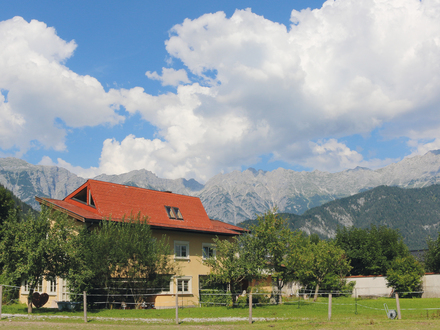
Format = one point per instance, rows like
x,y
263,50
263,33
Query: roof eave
x,y
45,202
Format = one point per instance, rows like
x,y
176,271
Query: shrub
x,y
405,275
214,297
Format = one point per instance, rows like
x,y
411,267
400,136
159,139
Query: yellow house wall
x,y
191,267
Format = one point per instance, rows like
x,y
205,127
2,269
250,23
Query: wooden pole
x,y
250,307
356,301
85,306
1,300
177,302
329,306
399,316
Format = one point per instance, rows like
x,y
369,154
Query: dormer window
x,y
174,213
84,197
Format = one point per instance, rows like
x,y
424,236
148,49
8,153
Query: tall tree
x,y
275,241
314,263
123,254
371,250
236,260
36,248
405,275
432,256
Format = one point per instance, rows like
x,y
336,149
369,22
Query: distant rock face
x,y
235,196
27,181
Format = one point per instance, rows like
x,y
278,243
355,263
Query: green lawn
x,y
416,313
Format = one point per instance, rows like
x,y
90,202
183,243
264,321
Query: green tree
x,y
405,275
275,241
316,263
36,248
432,256
236,260
371,250
7,204
120,254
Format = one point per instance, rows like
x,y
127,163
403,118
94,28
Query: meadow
x,y
347,313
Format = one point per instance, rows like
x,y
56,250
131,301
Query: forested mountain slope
x,y
414,212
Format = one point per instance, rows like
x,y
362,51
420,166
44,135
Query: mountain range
x,y
415,213
239,195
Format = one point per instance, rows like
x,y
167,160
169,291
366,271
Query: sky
x,y
190,89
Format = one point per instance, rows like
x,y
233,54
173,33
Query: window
x,y
81,196
174,213
208,250
181,250
184,285
38,287
52,286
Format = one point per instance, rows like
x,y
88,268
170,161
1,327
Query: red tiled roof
x,y
117,201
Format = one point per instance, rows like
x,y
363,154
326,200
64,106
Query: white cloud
x,y
170,77
333,156
42,91
258,87
344,69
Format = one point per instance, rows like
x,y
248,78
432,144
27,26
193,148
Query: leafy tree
x,y
432,256
371,250
35,248
275,241
7,204
405,275
236,260
120,254
316,263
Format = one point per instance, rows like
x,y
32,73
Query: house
x,y
182,219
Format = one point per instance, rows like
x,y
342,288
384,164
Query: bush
x,y
214,297
242,301
405,276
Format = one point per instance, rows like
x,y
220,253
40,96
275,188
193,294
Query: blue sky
x,y
193,88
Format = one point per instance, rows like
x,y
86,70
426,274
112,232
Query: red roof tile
x,y
117,201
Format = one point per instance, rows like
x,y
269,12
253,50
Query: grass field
x,y
346,314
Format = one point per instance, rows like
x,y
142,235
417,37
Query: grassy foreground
x,y
416,314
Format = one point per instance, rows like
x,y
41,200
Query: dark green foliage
x,y
36,247
7,204
432,256
405,276
371,250
315,264
214,297
120,255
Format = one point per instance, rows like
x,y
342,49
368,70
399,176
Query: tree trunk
x,y
316,293
31,292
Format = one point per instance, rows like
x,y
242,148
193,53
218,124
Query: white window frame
x,y
52,286
175,281
38,287
181,243
210,246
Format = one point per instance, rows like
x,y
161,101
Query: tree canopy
x,y
371,250
36,247
432,256
120,254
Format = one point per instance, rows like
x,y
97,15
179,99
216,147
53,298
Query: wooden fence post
x,y
250,307
85,306
177,301
329,306
399,316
